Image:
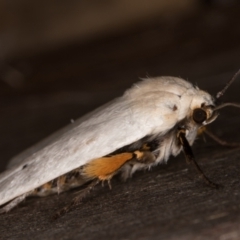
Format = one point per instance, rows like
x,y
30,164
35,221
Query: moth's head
x,y
207,112
206,108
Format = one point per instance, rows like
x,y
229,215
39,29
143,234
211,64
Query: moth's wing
x,y
21,157
120,123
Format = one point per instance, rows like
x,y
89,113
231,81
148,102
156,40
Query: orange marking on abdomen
x,y
104,168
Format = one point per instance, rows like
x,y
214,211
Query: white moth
x,y
156,118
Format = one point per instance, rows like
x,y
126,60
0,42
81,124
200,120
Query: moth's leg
x,y
78,199
14,203
109,184
145,157
220,141
142,159
190,157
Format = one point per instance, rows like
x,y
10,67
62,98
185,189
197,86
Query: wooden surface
x,y
169,202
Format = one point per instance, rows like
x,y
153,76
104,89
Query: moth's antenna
x,y
237,105
219,94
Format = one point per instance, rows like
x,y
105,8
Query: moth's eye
x,y
199,115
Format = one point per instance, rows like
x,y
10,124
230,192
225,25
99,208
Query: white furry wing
x,y
122,122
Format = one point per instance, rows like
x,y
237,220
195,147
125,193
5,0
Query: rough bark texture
x,y
169,202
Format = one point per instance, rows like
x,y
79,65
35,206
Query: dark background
x,y
59,61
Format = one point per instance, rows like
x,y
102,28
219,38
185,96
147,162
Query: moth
x,y
156,118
